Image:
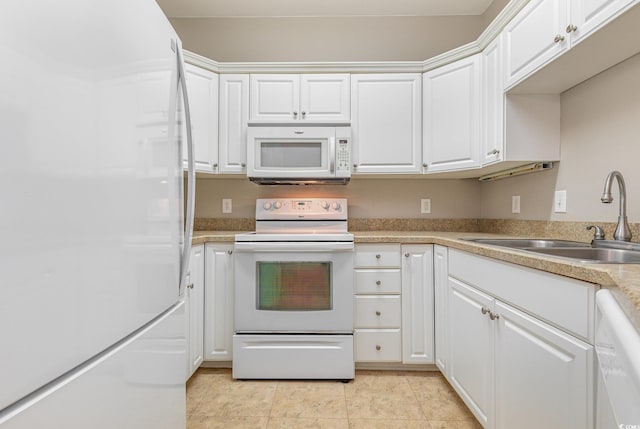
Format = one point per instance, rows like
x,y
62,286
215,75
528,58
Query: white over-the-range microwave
x,y
299,154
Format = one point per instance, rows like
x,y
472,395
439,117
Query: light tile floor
x,y
374,400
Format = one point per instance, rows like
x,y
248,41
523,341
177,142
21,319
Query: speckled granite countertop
x,y
624,280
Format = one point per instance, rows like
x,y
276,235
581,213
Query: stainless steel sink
x,y
522,243
591,254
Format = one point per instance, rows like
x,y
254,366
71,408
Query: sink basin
x,y
592,254
521,243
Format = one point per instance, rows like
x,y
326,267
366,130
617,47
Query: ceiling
x,y
310,8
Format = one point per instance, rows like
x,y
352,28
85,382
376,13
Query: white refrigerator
x,y
94,231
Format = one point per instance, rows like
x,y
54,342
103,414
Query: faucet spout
x,y
622,232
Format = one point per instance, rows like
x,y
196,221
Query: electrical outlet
x,y
560,202
515,204
227,206
425,205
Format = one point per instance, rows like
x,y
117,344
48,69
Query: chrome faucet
x,y
623,232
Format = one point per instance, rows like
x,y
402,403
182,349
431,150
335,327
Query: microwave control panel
x,y
343,154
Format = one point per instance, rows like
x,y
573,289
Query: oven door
x,y
294,287
291,152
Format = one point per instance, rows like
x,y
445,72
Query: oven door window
x,y
294,286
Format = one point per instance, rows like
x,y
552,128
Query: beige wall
x,y
326,39
368,198
600,133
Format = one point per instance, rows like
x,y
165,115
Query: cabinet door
x,y
202,86
386,123
543,377
195,308
218,309
440,276
493,102
471,349
588,16
325,97
534,37
274,97
452,116
417,304
234,115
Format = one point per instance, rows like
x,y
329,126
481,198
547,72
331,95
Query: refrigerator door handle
x,y
191,177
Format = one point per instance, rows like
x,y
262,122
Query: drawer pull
x,y
378,256
378,282
378,313
378,347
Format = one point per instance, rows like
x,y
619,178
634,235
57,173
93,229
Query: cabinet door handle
x,y
378,256
493,316
571,28
378,282
559,38
494,152
378,313
304,113
230,252
406,255
190,286
485,310
378,347
295,114
243,165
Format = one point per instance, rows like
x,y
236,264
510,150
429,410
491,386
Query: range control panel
x,y
301,208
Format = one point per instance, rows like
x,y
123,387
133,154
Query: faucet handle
x,y
598,233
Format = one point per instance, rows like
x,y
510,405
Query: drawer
x,y
377,255
378,345
378,311
381,281
561,301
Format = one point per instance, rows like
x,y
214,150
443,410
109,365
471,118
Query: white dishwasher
x,y
618,351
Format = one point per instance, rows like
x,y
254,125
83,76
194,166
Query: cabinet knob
x,y
485,310
425,165
494,152
378,256
230,252
559,38
406,255
215,165
304,113
295,114
571,28
378,347
378,313
493,316
243,165
190,286
355,165
378,282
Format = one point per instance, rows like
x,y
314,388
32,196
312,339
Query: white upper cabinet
x,y
386,117
492,146
202,87
588,15
452,116
535,36
234,115
294,97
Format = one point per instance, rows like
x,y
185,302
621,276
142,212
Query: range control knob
x,y
267,205
325,205
277,205
335,206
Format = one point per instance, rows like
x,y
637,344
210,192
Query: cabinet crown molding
x,y
492,31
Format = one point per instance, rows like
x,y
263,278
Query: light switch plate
x,y
227,206
425,205
560,202
515,204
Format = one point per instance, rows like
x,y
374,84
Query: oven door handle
x,y
286,246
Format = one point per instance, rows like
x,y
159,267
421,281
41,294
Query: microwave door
x,y
292,158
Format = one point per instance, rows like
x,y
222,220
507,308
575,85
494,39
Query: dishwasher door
x,y
618,351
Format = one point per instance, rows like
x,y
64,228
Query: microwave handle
x,y
332,155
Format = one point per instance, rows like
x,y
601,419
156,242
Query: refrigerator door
x,y
139,384
91,227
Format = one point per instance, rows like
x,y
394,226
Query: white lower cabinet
x,y
511,368
218,302
417,304
440,306
194,300
378,309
